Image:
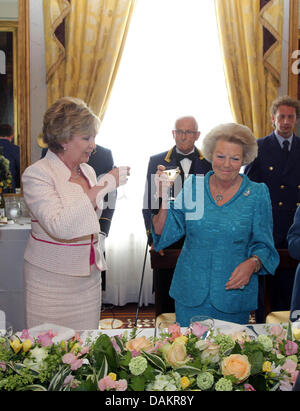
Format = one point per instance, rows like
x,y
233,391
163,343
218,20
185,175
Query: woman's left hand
x,y
241,275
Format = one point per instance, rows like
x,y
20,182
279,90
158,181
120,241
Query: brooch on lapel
x,y
247,193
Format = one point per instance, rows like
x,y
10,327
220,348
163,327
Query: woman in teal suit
x,y
227,223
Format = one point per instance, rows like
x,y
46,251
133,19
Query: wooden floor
x,y
125,316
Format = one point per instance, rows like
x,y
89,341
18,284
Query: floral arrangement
x,y
5,175
176,361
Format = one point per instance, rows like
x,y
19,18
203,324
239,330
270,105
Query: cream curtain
x,y
250,36
94,34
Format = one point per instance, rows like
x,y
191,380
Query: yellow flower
x,y
266,367
181,339
185,382
113,376
27,344
236,365
16,345
76,348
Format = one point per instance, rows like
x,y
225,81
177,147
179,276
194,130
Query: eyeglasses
x,y
188,133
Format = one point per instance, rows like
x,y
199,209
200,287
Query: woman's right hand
x,y
109,182
114,178
162,182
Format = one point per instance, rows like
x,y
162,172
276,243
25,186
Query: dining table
x,y
13,239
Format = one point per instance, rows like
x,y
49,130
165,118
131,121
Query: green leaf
x,y
289,332
103,369
56,384
87,385
138,383
256,360
103,348
33,387
258,382
188,370
155,360
125,359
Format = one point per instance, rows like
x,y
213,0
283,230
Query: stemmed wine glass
x,y
172,174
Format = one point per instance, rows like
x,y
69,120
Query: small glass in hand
x,y
172,174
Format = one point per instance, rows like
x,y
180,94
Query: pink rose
x,y
106,383
291,348
121,385
25,336
46,338
175,331
277,330
85,350
77,363
199,329
68,358
289,366
3,365
74,361
69,380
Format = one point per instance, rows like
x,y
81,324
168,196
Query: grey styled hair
x,y
233,133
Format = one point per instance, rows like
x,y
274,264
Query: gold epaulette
x,y
200,154
104,218
168,156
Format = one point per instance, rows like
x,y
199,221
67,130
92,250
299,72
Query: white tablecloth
x,y
222,326
13,239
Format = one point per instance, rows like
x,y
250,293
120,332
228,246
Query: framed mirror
x,y
14,73
294,49
294,52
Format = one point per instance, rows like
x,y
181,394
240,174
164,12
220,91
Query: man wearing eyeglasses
x,y
189,159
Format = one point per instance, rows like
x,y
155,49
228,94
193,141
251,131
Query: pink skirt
x,y
73,302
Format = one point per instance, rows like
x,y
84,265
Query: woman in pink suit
x,y
63,259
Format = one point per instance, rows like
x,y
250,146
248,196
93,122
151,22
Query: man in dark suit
x,y
102,162
278,166
12,152
190,161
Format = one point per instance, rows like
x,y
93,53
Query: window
x,y
171,66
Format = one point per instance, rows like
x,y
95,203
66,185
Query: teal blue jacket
x,y
218,238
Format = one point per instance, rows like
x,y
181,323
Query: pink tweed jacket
x,y
65,225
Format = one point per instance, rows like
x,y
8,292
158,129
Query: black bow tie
x,y
190,156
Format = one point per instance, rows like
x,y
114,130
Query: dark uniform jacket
x,y
168,159
283,180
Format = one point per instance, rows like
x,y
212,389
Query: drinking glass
x,y
172,174
13,209
202,326
162,329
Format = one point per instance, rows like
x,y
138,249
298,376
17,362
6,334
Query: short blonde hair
x,y
67,117
234,133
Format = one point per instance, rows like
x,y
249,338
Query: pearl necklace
x,y
78,173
